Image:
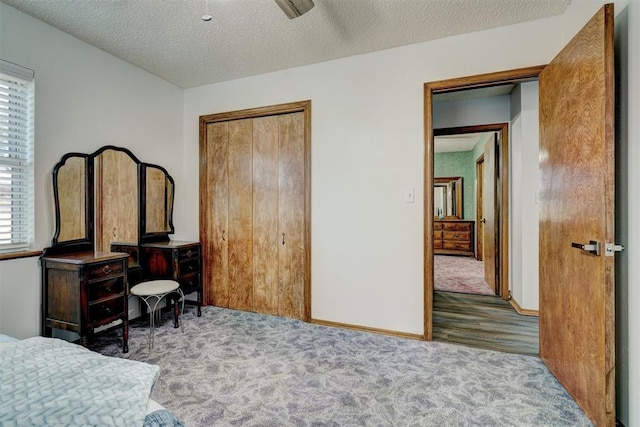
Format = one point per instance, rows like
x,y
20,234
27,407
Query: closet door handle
x,y
283,238
223,238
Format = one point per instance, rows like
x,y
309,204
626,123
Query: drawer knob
x,y
106,269
107,289
108,310
189,253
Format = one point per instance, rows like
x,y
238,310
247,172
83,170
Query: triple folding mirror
x,y
110,196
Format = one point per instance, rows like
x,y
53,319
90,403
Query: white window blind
x,y
16,157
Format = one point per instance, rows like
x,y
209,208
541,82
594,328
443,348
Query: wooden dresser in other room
x,y
453,237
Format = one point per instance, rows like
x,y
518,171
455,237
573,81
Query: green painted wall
x,y
459,163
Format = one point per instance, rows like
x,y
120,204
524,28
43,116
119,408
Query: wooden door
x,y
489,214
479,208
240,214
291,259
216,225
254,186
577,206
265,217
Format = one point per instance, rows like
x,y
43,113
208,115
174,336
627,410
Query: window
x,y
16,157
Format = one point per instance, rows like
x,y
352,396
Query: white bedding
x,y
46,381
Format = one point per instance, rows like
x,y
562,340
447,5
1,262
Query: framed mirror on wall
x,y
447,197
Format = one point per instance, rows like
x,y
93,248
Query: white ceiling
x,y
463,142
484,92
248,37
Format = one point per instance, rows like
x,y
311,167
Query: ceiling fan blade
x,y
295,8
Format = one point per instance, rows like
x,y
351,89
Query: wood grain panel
x,y
265,214
72,204
576,205
116,194
291,213
241,214
218,224
156,199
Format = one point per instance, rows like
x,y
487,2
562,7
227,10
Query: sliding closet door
x,y
217,221
241,214
291,200
265,214
254,189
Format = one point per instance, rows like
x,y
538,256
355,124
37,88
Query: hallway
x,y
484,322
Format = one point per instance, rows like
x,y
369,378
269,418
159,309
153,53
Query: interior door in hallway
x,y
254,211
577,206
479,208
489,214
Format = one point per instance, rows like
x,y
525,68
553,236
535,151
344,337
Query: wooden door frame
x,y
454,85
479,207
293,107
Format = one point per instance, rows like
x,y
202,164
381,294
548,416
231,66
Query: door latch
x,y
611,248
593,247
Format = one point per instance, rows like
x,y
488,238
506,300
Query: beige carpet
x,y
459,274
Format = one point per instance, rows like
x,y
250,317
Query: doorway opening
x,y
493,252
458,264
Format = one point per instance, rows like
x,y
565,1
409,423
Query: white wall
x,y
85,98
367,146
627,213
524,136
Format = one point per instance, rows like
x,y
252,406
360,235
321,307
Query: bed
x,y
49,382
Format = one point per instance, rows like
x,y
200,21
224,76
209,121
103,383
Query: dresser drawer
x,y
456,226
105,289
189,266
455,245
189,253
437,225
102,271
456,235
437,234
106,310
437,244
189,283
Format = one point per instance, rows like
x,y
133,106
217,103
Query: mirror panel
x,y
116,198
447,197
70,180
112,192
158,201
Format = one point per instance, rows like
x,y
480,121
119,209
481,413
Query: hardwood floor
x,y
484,322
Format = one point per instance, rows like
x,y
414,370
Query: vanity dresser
x,y
113,217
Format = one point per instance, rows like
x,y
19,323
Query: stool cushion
x,y
154,287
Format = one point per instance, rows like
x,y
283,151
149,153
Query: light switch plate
x,y
410,195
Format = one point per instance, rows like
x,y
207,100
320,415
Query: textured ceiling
x,y
462,142
250,37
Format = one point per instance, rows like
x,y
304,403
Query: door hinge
x,y
611,248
